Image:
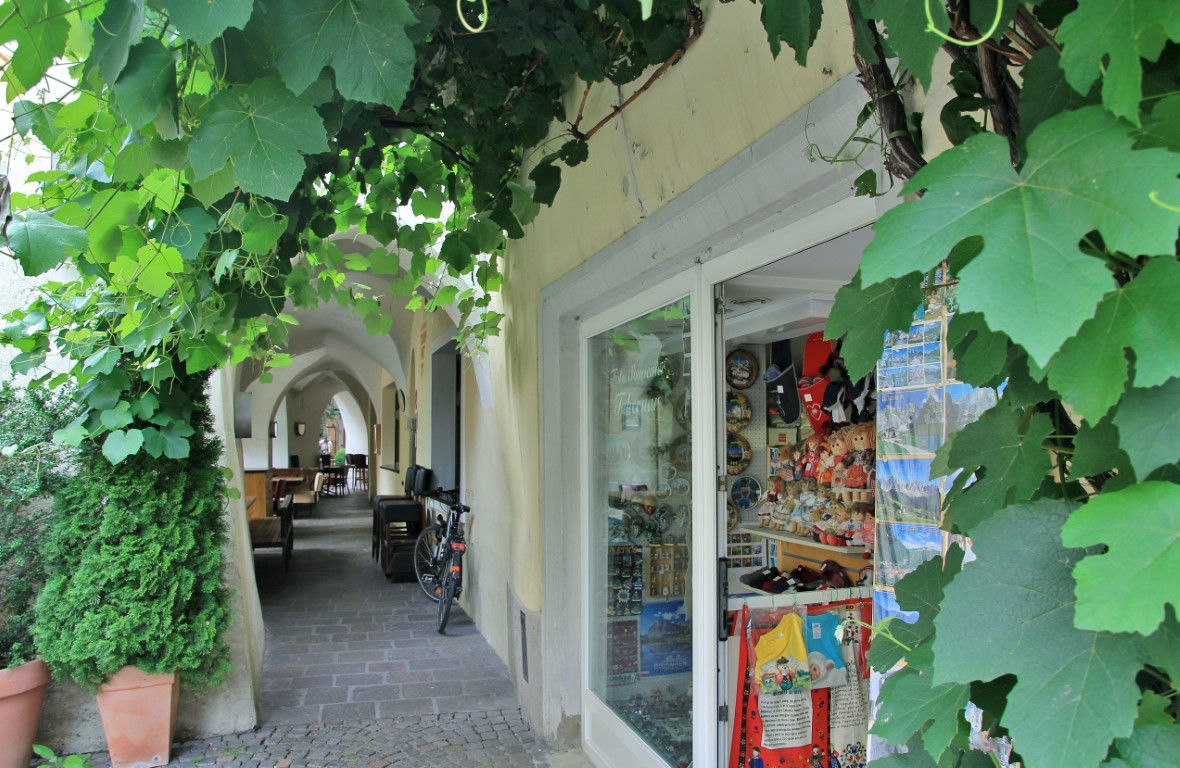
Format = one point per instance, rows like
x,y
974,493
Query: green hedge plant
x,y
30,465
136,563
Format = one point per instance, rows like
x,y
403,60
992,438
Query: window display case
x,y
640,631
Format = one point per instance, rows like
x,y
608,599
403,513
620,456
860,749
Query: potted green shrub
x,y
29,466
135,597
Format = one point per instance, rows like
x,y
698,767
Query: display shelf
x,y
814,597
791,538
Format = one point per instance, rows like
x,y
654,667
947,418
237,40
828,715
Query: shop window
x,y
640,505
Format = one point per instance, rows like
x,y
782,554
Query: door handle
x,y
722,599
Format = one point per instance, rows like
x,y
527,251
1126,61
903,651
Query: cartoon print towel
x,y
781,659
825,658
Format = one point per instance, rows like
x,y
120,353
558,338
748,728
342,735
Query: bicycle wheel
x,y
449,582
424,566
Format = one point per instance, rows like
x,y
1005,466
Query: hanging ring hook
x,y
483,18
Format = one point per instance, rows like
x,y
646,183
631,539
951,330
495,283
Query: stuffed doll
x,y
841,447
861,473
811,456
827,463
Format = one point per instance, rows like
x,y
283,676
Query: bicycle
x,y
438,555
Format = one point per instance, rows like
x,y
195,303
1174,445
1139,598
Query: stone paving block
x,y
331,695
339,713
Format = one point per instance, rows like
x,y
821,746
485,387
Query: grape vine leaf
x,y
364,41
263,128
1009,465
1140,527
1163,646
147,84
1151,746
1046,93
203,22
1108,37
1149,426
41,242
1075,690
1162,128
872,310
910,704
794,22
1031,222
120,444
979,352
919,591
1090,371
40,30
1096,449
906,22
119,26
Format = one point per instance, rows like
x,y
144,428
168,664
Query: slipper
x,y
757,578
783,583
834,575
806,575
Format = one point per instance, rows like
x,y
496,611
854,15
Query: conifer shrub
x,y
30,466
136,571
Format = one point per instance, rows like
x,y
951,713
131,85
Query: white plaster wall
x,y
280,445
356,437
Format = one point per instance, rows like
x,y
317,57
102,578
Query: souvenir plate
x,y
745,492
663,491
741,369
613,452
681,486
667,472
680,453
737,412
737,455
731,515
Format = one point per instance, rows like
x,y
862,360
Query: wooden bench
x,y
275,531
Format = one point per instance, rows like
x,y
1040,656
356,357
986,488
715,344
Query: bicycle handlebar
x,y
448,497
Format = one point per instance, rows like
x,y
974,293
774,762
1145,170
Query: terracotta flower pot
x,y
22,690
138,712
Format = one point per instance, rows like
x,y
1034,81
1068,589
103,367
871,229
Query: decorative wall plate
x,y
681,486
741,368
731,515
745,492
681,453
613,452
737,412
663,491
667,472
737,455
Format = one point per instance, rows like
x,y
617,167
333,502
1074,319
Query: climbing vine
x,y
210,156
1052,210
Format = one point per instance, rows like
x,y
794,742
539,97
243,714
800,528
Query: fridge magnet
x,y
741,368
737,412
737,455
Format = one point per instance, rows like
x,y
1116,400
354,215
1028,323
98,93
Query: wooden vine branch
x,y
903,159
695,24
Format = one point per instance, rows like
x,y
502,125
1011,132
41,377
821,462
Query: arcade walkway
x,y
355,674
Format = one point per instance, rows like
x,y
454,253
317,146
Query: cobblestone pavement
x,y
356,675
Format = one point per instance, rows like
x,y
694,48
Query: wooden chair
x,y
309,499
